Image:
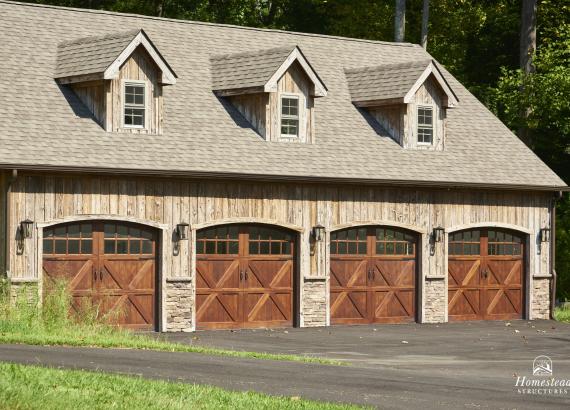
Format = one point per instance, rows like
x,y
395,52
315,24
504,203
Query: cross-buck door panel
x,y
373,275
486,275
110,266
245,277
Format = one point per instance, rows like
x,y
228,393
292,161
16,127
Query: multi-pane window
x,y
134,105
69,240
122,240
290,116
425,125
394,242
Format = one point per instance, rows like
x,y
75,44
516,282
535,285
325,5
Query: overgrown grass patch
x,y
23,321
32,387
562,314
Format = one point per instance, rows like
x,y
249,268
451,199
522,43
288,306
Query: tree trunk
x,y
528,35
425,21
527,50
400,21
159,7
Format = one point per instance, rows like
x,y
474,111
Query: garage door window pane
x,y
73,247
86,246
48,246
109,246
60,247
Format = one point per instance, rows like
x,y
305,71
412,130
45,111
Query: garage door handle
x,y
240,275
101,275
94,273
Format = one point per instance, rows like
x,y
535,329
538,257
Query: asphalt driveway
x,y
466,365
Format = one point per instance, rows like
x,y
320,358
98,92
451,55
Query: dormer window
x,y
290,116
425,125
134,106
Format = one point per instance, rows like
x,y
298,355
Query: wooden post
x,y
425,21
400,21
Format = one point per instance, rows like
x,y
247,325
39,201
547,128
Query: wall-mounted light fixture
x,y
545,235
438,234
26,228
182,231
318,233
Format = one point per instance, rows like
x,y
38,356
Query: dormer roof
x,y
259,71
101,57
394,83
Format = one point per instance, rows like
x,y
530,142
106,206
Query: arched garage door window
x,y
244,277
486,274
373,275
110,265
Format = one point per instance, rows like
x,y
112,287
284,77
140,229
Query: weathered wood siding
x,y
429,94
400,121
93,95
3,220
262,110
299,206
138,67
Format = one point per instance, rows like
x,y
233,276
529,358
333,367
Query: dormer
x,y
409,100
119,78
273,89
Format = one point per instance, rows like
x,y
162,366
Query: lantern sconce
x,y
438,234
182,231
545,235
26,228
318,233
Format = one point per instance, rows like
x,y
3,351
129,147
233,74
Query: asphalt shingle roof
x,y
92,54
245,70
44,125
385,81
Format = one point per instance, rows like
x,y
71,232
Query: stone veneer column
x,y
179,303
314,303
540,298
434,300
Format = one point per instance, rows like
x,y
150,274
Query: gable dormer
x,y
409,100
273,89
119,78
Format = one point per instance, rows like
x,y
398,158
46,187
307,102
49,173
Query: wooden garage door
x,y
373,275
110,266
244,277
486,275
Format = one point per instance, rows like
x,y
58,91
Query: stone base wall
x,y
540,298
179,302
435,302
314,303
24,292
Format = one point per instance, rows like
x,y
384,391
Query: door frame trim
x,y
529,249
164,232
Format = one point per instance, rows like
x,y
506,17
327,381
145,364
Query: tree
x,y
527,51
400,21
425,21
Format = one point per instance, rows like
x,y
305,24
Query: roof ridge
x,y
87,39
254,52
203,23
392,65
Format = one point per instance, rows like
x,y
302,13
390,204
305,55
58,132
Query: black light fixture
x,y
545,235
438,234
318,232
26,228
181,231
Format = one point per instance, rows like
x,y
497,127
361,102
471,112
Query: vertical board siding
x,y
45,199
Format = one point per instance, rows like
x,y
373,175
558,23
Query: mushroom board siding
x,y
110,266
373,275
244,277
486,275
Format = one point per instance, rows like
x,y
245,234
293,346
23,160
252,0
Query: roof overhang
x,y
320,90
141,39
451,99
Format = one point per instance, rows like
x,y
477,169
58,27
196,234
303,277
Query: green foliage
x,y
23,320
562,314
33,387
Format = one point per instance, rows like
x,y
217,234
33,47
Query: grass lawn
x,y
21,321
562,314
32,387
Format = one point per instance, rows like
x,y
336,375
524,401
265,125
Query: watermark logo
x,y
542,366
542,381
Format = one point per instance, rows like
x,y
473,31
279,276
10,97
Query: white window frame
x,y
432,108
124,84
299,115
